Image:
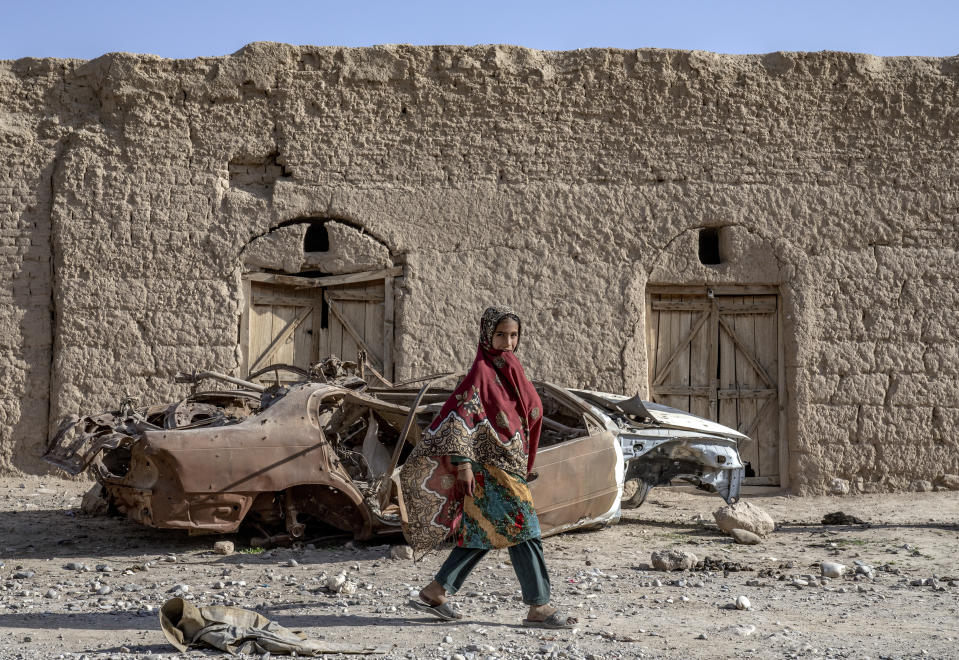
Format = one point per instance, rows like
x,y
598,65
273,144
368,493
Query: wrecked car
x,y
322,454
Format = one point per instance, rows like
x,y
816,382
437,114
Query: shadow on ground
x,y
79,621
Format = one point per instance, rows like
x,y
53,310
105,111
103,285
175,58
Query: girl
x,y
467,477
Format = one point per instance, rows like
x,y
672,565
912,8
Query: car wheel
x,y
635,492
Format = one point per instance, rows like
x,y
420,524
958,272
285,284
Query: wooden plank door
x,y
356,322
298,321
281,325
717,354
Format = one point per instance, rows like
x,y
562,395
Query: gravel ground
x,y
77,586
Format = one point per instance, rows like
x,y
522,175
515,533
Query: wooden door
x,y
301,320
717,353
282,327
577,480
354,323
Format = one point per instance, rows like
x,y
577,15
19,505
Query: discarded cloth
x,y
236,630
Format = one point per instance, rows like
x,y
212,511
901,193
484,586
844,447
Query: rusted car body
x,y
326,450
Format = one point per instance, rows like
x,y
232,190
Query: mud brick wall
x,y
29,140
562,183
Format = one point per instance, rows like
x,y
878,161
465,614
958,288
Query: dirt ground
x,y
908,607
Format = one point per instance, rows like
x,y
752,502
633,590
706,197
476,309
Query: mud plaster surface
x,y
561,183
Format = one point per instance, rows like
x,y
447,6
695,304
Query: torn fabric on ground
x,y
236,630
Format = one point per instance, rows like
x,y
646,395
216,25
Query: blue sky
x,y
179,29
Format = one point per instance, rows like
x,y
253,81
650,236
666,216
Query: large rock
x,y
672,560
744,515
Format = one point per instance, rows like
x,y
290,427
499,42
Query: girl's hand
x,y
464,479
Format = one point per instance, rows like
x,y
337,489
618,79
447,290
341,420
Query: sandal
x,y
441,611
557,619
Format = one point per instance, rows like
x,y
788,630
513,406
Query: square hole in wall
x,y
709,246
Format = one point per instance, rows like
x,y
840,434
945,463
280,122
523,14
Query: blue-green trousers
x,y
526,557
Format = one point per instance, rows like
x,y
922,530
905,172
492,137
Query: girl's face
x,y
506,335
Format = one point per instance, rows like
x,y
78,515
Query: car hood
x,y
658,414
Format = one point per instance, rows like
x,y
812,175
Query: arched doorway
x,y
315,288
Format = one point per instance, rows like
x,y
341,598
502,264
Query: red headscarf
x,y
495,394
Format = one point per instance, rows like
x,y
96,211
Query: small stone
x,y
742,603
672,560
348,588
74,566
799,583
832,569
103,568
52,593
702,636
292,563
458,656
335,582
447,639
223,547
104,590
401,552
839,486
745,537
23,575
